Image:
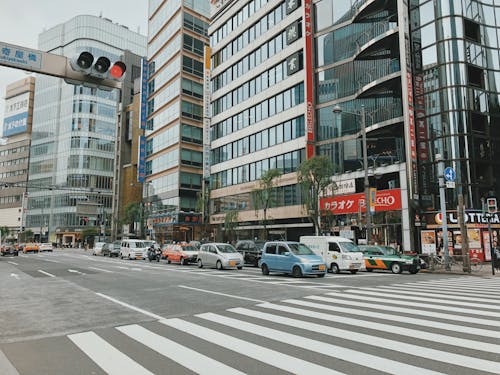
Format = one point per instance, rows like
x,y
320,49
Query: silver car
x,y
219,255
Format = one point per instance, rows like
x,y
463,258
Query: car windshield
x,y
388,250
139,244
349,247
300,249
189,248
223,248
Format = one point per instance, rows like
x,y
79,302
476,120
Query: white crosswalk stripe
x,y
395,329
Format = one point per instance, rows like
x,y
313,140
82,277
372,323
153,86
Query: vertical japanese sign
x,y
16,114
141,168
309,79
206,112
144,93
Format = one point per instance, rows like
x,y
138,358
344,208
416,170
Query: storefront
x,y
431,236
175,226
345,215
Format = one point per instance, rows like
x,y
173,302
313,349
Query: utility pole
x,y
442,198
465,237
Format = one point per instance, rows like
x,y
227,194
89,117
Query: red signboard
x,y
385,200
309,78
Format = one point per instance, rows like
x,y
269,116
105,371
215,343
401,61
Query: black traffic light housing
x,y
99,68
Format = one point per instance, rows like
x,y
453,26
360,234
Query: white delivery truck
x,y
339,253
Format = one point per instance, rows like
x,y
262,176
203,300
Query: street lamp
x,y
337,110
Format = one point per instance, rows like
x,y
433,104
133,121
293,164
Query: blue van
x,y
291,257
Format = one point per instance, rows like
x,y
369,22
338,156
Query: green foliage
x,y
5,231
314,176
132,213
26,236
230,222
263,195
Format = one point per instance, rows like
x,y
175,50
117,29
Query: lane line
x,y
426,323
14,263
185,356
375,341
408,332
452,291
100,269
266,355
153,315
353,356
221,294
46,273
106,356
6,367
339,298
50,260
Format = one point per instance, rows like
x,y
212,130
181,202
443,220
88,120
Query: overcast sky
x,y
22,21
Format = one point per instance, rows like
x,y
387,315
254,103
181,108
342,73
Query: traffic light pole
x,y
442,198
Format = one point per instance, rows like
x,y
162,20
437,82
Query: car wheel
x,y
240,267
265,270
396,267
129,258
413,270
200,263
169,261
321,275
256,262
334,267
354,271
369,269
297,271
218,265
183,262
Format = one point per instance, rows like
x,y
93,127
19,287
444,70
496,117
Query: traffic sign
x,y
450,184
450,174
491,203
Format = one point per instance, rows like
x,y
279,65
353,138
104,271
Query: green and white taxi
x,y
386,258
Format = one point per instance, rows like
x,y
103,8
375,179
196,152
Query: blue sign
x,y
15,124
141,168
144,93
450,174
21,57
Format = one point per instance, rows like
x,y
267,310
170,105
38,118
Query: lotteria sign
x,y
469,218
385,200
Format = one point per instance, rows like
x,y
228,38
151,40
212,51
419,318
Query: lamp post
x,y
337,110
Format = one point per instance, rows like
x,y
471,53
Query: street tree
x,y
230,223
4,232
314,176
265,194
132,213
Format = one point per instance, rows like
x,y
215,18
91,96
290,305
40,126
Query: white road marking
x,y
6,367
14,263
50,260
396,330
100,269
397,318
380,305
186,357
153,315
269,356
14,275
77,272
449,291
46,273
398,346
220,294
106,356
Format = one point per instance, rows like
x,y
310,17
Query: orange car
x,y
180,253
30,248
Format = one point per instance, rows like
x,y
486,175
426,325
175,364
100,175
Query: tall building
x,y
14,153
178,33
74,132
419,75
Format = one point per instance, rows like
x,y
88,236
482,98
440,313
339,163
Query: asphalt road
x,y
68,312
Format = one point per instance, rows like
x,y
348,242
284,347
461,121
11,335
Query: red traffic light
x,y
118,70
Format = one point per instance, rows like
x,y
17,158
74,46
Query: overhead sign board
x,y
16,115
19,57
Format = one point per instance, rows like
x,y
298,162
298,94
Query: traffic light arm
x,y
51,64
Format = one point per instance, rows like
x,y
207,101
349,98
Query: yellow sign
x,y
373,199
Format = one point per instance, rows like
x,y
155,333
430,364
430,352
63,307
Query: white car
x,y
133,249
220,256
45,247
97,249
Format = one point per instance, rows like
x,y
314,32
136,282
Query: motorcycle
x,y
154,254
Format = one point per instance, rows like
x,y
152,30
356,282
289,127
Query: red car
x,y
180,253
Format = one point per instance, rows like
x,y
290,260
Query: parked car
x,y
45,247
133,249
375,258
251,250
292,258
111,249
30,248
219,255
180,253
196,244
9,250
97,249
339,253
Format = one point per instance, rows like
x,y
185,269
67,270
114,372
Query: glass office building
x,y
74,130
177,36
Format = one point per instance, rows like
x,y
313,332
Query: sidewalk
x,y
484,272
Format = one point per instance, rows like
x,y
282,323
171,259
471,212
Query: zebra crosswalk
x,y
441,326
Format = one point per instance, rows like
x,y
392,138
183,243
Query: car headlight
x,y
347,257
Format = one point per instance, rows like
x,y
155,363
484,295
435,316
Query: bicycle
x,y
438,262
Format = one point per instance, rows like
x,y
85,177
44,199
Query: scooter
x,y
154,254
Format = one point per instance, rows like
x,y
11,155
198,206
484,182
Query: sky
x,y
22,21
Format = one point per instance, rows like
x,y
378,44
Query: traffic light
x,y
100,67
491,204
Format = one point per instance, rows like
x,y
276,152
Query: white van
x,y
339,253
133,249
